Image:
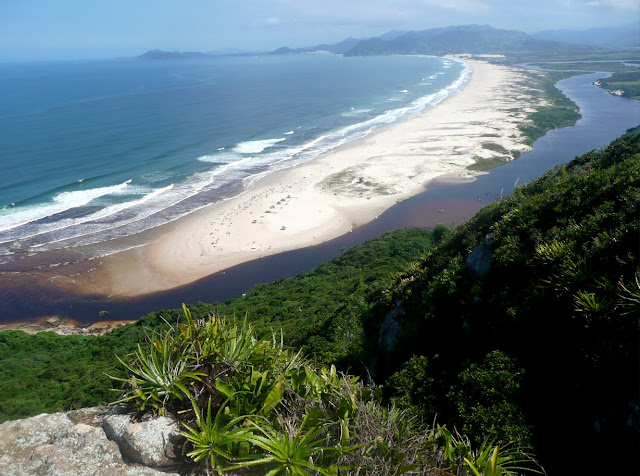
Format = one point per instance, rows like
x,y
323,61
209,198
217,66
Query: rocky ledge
x,y
89,442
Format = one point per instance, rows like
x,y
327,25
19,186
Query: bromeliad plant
x,y
214,441
159,375
232,391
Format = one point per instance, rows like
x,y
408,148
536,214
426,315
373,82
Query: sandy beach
x,y
331,195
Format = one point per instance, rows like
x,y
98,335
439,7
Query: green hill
x,y
549,279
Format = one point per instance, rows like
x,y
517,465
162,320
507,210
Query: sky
x,y
86,29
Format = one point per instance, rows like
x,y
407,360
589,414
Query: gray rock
x,y
479,260
391,329
155,443
52,445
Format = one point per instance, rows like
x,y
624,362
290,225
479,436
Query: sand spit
x,y
329,196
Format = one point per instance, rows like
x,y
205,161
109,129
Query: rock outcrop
x,y
480,259
155,443
53,445
391,329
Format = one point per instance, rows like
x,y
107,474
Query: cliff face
x,y
76,444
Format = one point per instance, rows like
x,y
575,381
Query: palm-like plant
x,y
157,374
239,343
291,452
214,440
492,460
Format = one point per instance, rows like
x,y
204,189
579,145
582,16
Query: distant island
x,y
158,54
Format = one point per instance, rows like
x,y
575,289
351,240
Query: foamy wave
x,y
107,212
356,112
256,146
288,133
221,158
113,209
12,217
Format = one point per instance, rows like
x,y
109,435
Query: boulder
x,y
156,443
52,445
480,259
391,329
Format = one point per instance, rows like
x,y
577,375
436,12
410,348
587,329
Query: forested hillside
x,y
522,323
526,320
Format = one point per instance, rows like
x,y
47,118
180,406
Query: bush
x,y
248,403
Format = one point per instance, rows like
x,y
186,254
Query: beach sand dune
x,y
329,196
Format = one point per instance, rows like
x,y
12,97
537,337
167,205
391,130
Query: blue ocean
x,y
94,153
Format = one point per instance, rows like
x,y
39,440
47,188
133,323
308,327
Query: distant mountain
x,y
475,39
392,35
285,50
338,48
625,35
160,54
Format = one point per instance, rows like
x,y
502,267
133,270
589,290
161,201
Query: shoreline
x,y
312,203
32,296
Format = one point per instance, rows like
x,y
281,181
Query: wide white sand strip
x,y
329,196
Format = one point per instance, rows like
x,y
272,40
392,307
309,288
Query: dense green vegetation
x,y
535,341
560,112
253,406
559,303
487,164
627,82
47,372
589,67
624,78
319,311
594,55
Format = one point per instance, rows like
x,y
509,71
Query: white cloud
x,y
462,5
630,4
271,21
623,4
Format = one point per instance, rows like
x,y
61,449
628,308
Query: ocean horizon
x,y
96,152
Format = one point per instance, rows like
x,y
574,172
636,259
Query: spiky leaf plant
x,y
215,440
158,374
507,460
295,451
